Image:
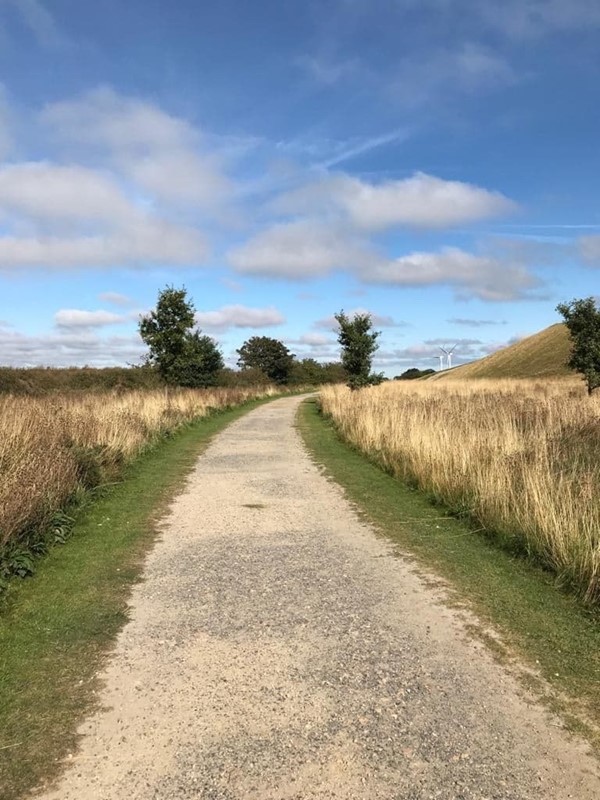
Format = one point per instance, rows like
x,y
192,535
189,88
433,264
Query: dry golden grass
x,y
520,457
541,356
53,446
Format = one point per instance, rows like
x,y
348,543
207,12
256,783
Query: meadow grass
x,y
57,628
520,459
541,356
523,619
55,448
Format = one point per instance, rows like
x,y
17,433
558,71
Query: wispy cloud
x,y
116,299
70,318
426,78
475,323
365,146
327,71
40,22
526,19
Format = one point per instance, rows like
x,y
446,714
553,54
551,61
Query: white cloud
x,y
69,215
162,154
53,192
181,177
69,348
144,242
307,249
76,318
238,316
589,248
421,201
315,340
116,299
315,345
472,275
106,119
379,320
303,249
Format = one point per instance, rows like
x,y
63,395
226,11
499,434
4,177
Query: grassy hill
x,y
543,355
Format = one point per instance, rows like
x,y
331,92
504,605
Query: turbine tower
x,y
449,354
441,358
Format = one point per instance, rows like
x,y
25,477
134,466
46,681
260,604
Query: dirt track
x,y
277,649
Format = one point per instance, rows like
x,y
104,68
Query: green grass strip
x,y
57,627
539,626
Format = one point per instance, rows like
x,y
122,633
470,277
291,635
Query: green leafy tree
x,y
181,354
359,343
269,355
582,318
413,373
334,372
307,371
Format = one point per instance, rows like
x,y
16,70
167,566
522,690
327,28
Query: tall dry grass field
x,y
51,447
521,458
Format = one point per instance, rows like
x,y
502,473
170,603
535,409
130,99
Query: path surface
x,y
277,650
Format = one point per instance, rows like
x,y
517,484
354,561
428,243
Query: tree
x,y
269,355
582,318
413,373
307,371
359,342
181,354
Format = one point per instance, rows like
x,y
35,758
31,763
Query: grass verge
x,y
57,627
541,630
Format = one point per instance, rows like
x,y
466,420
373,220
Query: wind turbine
x,y
441,358
449,354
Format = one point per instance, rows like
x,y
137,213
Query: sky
x,y
433,162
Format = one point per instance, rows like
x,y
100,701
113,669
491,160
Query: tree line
x,y
182,355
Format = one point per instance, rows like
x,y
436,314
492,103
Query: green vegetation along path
x,y
277,649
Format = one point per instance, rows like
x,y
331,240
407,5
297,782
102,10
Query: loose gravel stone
x,y
278,649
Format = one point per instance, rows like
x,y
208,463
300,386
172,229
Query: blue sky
x,y
434,162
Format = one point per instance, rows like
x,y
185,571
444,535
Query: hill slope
x,y
543,355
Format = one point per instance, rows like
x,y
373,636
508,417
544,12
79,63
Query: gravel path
x,y
278,650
